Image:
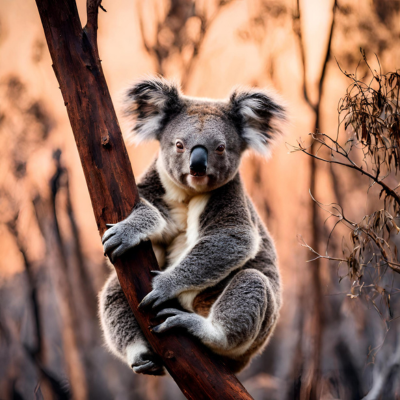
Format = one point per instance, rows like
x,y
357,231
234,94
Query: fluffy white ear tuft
x,y
259,114
150,104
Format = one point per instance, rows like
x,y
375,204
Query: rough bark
x,y
199,373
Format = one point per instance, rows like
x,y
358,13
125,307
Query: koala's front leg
x,y
144,221
212,259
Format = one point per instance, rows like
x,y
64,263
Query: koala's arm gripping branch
x,y
198,372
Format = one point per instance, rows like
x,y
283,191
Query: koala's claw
x,y
107,234
118,252
163,290
114,248
118,239
155,272
154,298
146,301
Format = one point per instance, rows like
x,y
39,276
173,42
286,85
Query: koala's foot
x,y
142,360
211,334
177,318
148,367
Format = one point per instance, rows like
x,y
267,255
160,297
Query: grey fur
x,y
223,253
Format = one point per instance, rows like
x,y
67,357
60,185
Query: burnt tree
x,y
199,373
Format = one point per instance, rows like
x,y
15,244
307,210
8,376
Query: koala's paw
x,y
163,290
144,362
177,318
148,367
119,238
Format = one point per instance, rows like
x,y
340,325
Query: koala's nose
x,y
198,161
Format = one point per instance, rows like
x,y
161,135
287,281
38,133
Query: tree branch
x,y
92,10
385,187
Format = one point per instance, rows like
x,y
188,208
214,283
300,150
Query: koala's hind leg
x,y
242,316
122,332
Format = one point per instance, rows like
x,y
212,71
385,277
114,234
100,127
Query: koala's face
x,y
201,140
200,147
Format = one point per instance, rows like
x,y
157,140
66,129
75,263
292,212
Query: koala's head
x,y
202,140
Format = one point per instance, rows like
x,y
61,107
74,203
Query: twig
x,y
385,187
92,7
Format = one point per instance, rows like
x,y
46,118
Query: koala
x,y
218,261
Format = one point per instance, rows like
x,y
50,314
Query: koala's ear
x,y
150,104
259,115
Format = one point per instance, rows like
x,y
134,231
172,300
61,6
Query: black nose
x,y
198,161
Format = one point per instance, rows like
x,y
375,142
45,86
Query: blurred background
x,y
328,344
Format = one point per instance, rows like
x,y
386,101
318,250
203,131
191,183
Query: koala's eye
x,y
221,148
179,145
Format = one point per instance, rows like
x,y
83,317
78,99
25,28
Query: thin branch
x,y
376,239
385,187
92,7
394,265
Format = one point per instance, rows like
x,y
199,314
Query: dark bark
x,y
199,373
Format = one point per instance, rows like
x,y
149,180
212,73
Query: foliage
x,y
369,113
373,112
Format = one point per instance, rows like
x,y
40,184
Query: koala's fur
x,y
216,256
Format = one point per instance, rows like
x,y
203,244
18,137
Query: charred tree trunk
x,y
199,373
312,387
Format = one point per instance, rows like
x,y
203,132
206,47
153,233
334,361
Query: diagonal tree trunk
x,y
199,373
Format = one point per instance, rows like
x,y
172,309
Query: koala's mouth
x,y
197,174
198,180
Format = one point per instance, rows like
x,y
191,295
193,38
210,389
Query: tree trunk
x,y
199,373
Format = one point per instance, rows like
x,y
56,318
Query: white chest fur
x,y
186,218
182,231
